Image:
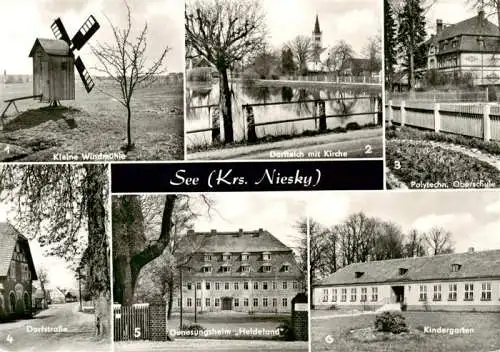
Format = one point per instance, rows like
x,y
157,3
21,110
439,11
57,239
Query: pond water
x,y
337,101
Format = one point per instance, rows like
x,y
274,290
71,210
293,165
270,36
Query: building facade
x,y
244,271
17,272
463,282
470,48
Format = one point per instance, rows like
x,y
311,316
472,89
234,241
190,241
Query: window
x,y
207,285
267,268
226,285
207,302
264,302
266,256
486,291
325,295
245,285
236,302
374,294
189,302
189,286
423,293
284,302
226,256
255,302
285,285
245,302
469,292
198,285
344,295
286,268
363,294
217,285
13,270
245,256
334,295
353,294
255,285
275,302
225,268
236,286
403,271
208,257
455,267
436,293
295,285
452,292
358,274
264,285
245,268
206,269
217,302
274,285
198,302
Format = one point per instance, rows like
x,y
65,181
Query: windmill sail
x,y
84,75
86,32
59,31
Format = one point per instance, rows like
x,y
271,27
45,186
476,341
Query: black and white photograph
x,y
55,290
441,106
91,80
220,272
283,79
405,271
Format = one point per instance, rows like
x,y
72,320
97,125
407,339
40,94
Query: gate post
x,y
251,134
300,317
158,321
322,115
215,117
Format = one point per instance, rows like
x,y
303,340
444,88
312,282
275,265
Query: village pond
x,y
294,106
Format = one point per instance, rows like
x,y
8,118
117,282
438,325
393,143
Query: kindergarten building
x,y
461,282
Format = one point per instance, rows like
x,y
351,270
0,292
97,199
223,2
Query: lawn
x,y
96,123
485,336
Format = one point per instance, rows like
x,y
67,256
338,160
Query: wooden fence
x,y
481,120
131,322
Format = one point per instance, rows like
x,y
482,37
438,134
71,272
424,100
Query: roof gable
x,y
9,236
483,264
476,25
51,47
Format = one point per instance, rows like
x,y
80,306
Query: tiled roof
x,y
476,25
8,238
51,47
484,264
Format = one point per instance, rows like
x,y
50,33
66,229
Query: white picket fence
x,y
481,120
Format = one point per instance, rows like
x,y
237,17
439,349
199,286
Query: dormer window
x,y
226,256
266,256
208,257
358,274
206,269
285,268
225,268
245,257
455,267
245,268
267,268
403,271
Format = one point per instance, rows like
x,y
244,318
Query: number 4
x,y
10,339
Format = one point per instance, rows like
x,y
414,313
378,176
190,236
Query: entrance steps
x,y
390,307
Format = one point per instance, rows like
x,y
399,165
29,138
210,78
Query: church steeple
x,y
317,31
316,34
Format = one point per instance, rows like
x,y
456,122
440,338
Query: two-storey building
x,y
246,271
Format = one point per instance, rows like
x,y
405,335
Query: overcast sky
x,y
351,20
276,212
473,217
59,275
22,21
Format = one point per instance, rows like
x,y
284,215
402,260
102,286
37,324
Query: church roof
x,y
316,26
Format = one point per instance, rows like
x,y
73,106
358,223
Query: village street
x,y
77,333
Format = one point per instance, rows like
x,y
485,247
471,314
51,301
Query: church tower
x,y
317,34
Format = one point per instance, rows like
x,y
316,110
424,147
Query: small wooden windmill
x,y
54,62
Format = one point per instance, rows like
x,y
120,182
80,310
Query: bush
x,y
390,322
351,126
192,327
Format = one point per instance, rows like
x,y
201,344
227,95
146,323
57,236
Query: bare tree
x,y
302,49
224,32
439,241
339,57
490,7
125,61
373,51
43,280
414,245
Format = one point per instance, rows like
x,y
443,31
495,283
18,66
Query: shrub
x,y
192,327
391,322
352,126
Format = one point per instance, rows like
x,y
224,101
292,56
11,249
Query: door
x,y
45,81
227,303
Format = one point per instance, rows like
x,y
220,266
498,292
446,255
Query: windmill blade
x,y
59,31
86,32
88,82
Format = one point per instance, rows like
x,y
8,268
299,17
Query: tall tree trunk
x,y
98,275
226,106
129,134
171,287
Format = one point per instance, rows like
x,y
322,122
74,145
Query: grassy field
x,y
485,335
96,123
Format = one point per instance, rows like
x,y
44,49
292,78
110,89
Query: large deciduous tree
x,y
439,241
224,32
339,57
302,49
64,208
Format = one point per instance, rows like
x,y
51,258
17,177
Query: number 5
x,y
137,332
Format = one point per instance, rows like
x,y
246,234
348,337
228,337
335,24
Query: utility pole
x,y
195,309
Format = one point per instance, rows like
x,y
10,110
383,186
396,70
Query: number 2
x,y
368,149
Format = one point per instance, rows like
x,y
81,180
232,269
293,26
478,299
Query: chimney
x,y
240,231
471,250
439,26
212,231
261,230
480,14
